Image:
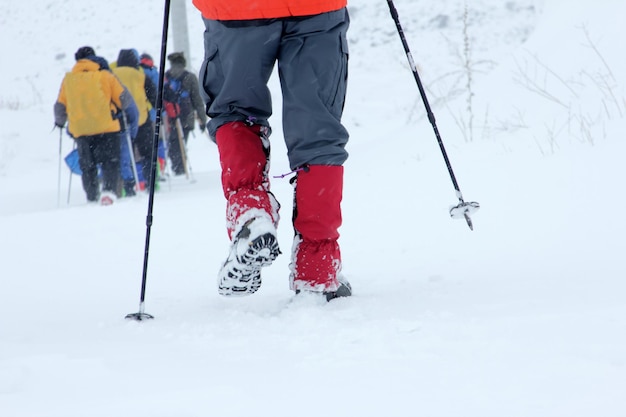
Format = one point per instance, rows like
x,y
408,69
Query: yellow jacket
x,y
88,99
134,80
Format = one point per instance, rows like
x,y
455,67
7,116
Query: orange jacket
x,y
264,9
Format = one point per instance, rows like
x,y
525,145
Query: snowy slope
x,y
524,316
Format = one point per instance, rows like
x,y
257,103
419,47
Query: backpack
x,y
176,100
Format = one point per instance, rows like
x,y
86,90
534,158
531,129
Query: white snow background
x,y
524,316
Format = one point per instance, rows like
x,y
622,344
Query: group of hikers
x,y
110,112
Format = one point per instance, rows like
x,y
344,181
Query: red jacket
x,y
264,9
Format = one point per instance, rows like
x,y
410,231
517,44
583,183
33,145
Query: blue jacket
x,y
153,75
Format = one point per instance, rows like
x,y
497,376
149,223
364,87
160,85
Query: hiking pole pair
x,y
141,315
463,209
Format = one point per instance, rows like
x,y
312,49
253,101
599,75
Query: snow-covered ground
x,y
524,316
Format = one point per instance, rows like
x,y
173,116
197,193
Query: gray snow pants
x,y
312,56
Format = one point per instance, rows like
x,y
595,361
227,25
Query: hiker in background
x,y
144,93
126,187
147,64
182,101
90,101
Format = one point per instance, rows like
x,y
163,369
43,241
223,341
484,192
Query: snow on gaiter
x,y
244,158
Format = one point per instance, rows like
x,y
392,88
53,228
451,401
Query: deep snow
x,y
524,316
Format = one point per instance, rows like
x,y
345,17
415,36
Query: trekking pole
x,y
181,144
69,182
69,189
183,150
168,168
129,141
59,173
463,209
141,315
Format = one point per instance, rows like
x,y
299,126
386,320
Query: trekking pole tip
x,y
139,316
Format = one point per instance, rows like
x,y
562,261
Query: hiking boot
x,y
255,246
344,290
107,198
129,189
